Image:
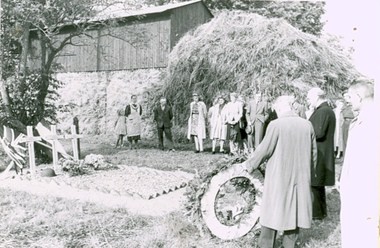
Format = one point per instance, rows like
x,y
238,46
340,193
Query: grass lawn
x,y
42,221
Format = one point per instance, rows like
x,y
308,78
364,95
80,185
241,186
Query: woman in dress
x,y
133,113
218,128
197,122
234,112
120,127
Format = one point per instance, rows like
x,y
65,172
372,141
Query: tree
x,y
304,15
28,93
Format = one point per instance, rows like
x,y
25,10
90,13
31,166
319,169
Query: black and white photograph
x,y
189,124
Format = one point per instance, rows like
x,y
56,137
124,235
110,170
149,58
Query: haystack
x,y
245,52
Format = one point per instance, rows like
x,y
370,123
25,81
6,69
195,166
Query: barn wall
x,y
143,45
140,45
94,98
187,18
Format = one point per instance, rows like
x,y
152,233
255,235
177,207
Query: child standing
x,y
120,127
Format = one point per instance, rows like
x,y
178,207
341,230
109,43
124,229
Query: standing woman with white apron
x,y
133,113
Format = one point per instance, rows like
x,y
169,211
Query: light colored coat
x,y
359,183
234,112
217,118
201,127
290,148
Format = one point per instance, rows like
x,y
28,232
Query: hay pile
x,y
246,52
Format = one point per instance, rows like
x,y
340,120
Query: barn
x,y
139,39
102,69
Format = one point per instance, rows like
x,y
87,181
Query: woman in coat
x,y
197,122
218,128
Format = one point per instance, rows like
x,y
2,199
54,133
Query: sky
x,y
356,22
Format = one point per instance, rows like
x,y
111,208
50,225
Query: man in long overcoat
x,y
290,150
359,181
323,121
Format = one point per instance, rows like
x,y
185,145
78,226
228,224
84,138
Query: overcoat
x,y
202,115
359,182
217,118
323,121
290,148
348,115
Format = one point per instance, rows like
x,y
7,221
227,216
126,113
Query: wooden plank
x,y
74,136
30,139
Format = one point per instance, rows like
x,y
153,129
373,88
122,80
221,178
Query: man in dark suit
x,y
256,116
323,121
163,116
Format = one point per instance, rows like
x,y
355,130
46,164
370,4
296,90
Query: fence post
x,y
30,139
76,124
54,139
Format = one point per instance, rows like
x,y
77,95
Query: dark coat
x,y
164,117
272,115
323,121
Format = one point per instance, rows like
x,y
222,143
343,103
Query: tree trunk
x,y
4,96
3,88
25,50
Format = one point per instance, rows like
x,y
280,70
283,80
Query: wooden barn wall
x,y
81,56
187,18
141,45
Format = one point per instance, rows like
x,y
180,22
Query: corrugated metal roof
x,y
121,11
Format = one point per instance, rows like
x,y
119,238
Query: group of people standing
x,y
299,147
241,122
128,124
300,162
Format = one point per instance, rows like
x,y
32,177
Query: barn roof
x,y
119,11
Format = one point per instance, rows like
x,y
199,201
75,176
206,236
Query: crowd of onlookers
x,y
240,121
299,149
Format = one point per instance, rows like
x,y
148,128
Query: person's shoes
x,y
172,150
213,152
196,151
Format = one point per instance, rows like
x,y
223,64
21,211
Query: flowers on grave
x,y
73,167
98,162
